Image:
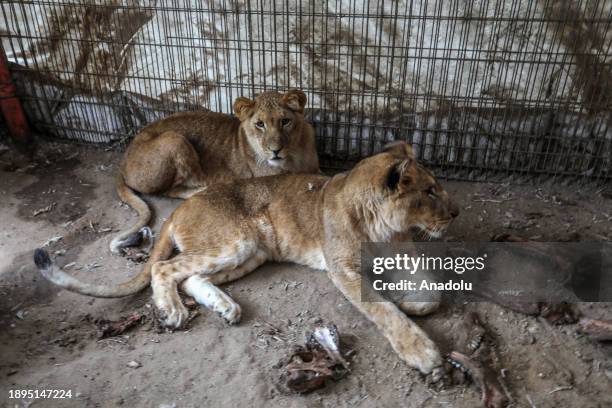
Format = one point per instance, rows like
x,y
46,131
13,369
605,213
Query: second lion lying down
x,y
229,230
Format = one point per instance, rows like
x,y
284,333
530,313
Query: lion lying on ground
x,y
186,152
229,230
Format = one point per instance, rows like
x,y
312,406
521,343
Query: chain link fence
x,y
484,90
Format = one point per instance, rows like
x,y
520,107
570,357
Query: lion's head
x,y
275,128
400,194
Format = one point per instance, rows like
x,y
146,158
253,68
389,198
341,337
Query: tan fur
x,y
186,152
229,230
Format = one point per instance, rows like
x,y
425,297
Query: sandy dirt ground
x,y
49,339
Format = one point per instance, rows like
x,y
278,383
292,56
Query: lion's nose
x,y
276,152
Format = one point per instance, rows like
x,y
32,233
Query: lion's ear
x,y
400,149
243,107
393,177
295,100
398,174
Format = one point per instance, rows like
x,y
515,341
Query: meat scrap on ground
x,y
309,367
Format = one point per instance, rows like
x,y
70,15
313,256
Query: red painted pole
x,y
10,105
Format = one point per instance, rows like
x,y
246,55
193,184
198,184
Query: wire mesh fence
x,y
482,89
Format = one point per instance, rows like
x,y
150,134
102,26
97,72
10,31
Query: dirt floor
x,y
49,338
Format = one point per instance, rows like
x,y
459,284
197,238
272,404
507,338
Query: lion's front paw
x,y
427,359
418,308
232,313
418,351
173,315
437,375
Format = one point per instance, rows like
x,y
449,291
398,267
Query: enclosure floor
x,y
48,340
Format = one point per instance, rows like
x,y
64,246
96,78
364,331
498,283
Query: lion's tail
x,y
162,251
130,236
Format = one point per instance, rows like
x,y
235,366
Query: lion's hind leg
x,y
207,294
164,278
166,275
204,290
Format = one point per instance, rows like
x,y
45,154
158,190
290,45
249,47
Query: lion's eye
x,y
259,124
285,121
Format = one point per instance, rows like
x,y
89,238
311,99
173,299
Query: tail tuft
x,y
131,240
146,233
41,259
136,239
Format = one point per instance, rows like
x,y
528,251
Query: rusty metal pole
x,y
11,106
